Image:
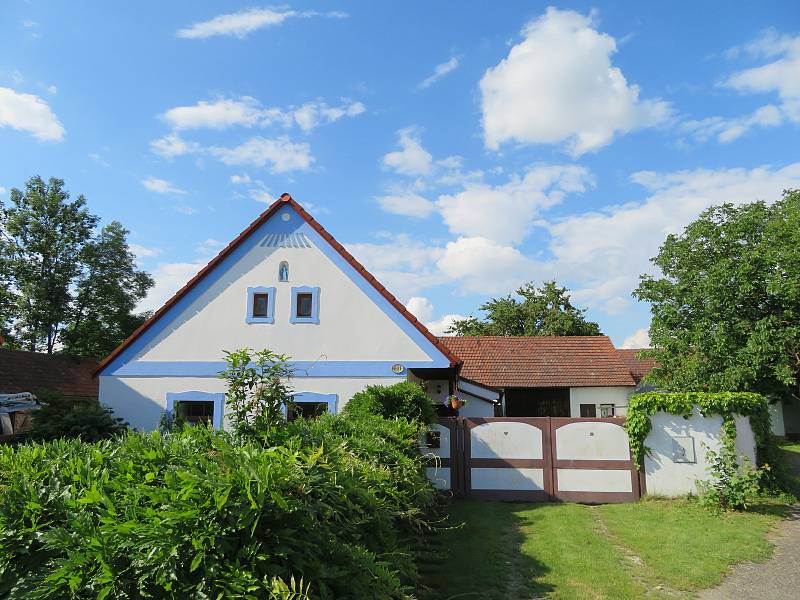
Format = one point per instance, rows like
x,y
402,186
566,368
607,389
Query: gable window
x,y
283,271
305,305
260,305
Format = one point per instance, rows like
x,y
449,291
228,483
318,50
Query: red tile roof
x,y
570,361
262,218
22,371
639,367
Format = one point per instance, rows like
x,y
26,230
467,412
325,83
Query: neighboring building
x,y
283,284
574,376
22,371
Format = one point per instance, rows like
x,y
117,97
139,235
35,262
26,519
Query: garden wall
x,y
679,446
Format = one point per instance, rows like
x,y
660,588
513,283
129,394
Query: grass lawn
x,y
661,548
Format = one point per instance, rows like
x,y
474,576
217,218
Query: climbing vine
x,y
725,404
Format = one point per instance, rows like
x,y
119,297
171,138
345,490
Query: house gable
x,y
362,330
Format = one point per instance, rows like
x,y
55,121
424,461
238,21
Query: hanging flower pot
x,y
455,402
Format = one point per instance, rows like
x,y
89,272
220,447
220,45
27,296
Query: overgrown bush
x,y
731,485
200,513
406,399
67,418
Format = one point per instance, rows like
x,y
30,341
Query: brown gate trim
x,y
544,463
600,465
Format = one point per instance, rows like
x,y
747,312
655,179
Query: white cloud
x,y
52,90
2,190
172,145
728,130
413,159
485,266
161,186
144,251
441,325
603,253
558,85
219,114
281,154
639,339
169,278
407,204
506,212
311,114
420,307
241,24
209,248
440,71
240,179
31,114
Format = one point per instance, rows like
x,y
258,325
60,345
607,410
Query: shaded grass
x,y
684,545
571,551
791,447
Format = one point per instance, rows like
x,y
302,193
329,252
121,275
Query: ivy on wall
x,y
725,404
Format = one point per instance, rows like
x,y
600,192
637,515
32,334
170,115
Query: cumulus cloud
x,y
241,24
161,186
407,204
412,158
639,339
559,85
440,71
420,307
172,145
441,325
169,278
144,251
31,114
506,212
728,130
280,154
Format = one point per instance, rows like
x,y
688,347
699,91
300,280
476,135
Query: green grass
x,y
791,447
572,551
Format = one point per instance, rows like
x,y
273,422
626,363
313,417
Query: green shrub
x,y
405,399
335,503
731,485
67,418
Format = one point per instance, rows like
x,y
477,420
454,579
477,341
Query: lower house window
x,y
197,407
606,410
588,410
311,404
195,412
260,305
305,305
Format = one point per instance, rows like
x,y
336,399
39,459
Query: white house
x,y
284,284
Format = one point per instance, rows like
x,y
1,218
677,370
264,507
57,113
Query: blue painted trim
x,y
330,399
327,368
276,224
251,292
304,289
195,396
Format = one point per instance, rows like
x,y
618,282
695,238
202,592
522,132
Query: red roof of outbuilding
x,y
262,218
22,371
567,361
639,367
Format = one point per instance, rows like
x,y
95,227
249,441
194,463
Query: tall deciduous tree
x,y
106,295
726,310
59,285
539,311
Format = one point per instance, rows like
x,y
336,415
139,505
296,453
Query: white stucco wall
x,y
665,476
142,400
776,418
616,395
475,407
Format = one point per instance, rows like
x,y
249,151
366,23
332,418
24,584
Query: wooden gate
x,y
533,459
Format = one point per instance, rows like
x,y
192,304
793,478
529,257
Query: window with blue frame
x,y
260,305
305,305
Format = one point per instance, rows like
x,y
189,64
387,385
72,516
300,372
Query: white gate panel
x,y
507,440
594,480
485,478
591,440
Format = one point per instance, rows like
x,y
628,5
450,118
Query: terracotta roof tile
x,y
639,367
22,371
570,361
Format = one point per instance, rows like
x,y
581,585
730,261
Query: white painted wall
x,y
142,400
616,395
667,477
776,419
475,407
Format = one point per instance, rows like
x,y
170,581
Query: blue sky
x,y
457,149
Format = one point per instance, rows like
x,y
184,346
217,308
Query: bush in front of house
x,y
337,503
406,399
67,418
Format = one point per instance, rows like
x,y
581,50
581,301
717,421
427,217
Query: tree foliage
x,y
726,310
405,399
547,310
60,284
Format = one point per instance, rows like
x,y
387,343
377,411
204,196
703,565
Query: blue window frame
x,y
330,401
173,398
305,305
260,305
